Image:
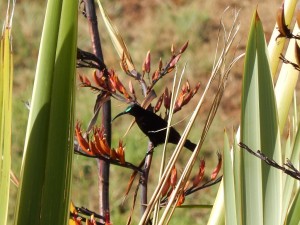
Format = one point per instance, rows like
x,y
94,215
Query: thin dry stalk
x,y
219,68
172,105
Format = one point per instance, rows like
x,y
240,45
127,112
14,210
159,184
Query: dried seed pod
x,y
282,27
124,65
297,53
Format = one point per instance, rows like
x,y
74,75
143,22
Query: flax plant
x,y
263,194
43,195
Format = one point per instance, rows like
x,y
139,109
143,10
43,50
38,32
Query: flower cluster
x,y
98,146
109,84
161,71
78,215
191,186
185,95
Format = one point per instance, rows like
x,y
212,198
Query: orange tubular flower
x,y
91,221
173,178
195,90
184,47
104,146
160,64
147,63
121,152
172,49
197,179
117,85
179,102
100,79
166,187
131,89
102,143
84,145
217,169
98,145
181,199
159,103
112,84
187,98
173,62
155,75
113,154
93,147
77,220
85,80
167,98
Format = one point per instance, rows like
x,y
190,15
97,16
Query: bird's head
x,y
131,109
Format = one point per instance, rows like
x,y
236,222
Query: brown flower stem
x,y
146,169
103,166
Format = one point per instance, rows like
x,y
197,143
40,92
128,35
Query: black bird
x,y
154,126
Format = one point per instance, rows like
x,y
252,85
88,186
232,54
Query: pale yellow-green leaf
x,y
217,215
237,181
269,133
252,202
286,83
116,38
229,186
294,215
6,78
262,198
262,185
289,181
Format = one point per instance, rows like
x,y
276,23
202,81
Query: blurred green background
x,y
144,25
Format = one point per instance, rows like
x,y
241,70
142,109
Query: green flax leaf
x,y
43,196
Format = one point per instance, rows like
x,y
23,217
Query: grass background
x,y
145,25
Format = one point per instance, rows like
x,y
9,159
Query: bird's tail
x,y
190,145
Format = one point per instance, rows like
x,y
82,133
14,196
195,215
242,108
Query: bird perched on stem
x,y
154,126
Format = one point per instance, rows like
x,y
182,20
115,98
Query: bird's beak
x,y
120,114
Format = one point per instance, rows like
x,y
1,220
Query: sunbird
x,y
154,127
